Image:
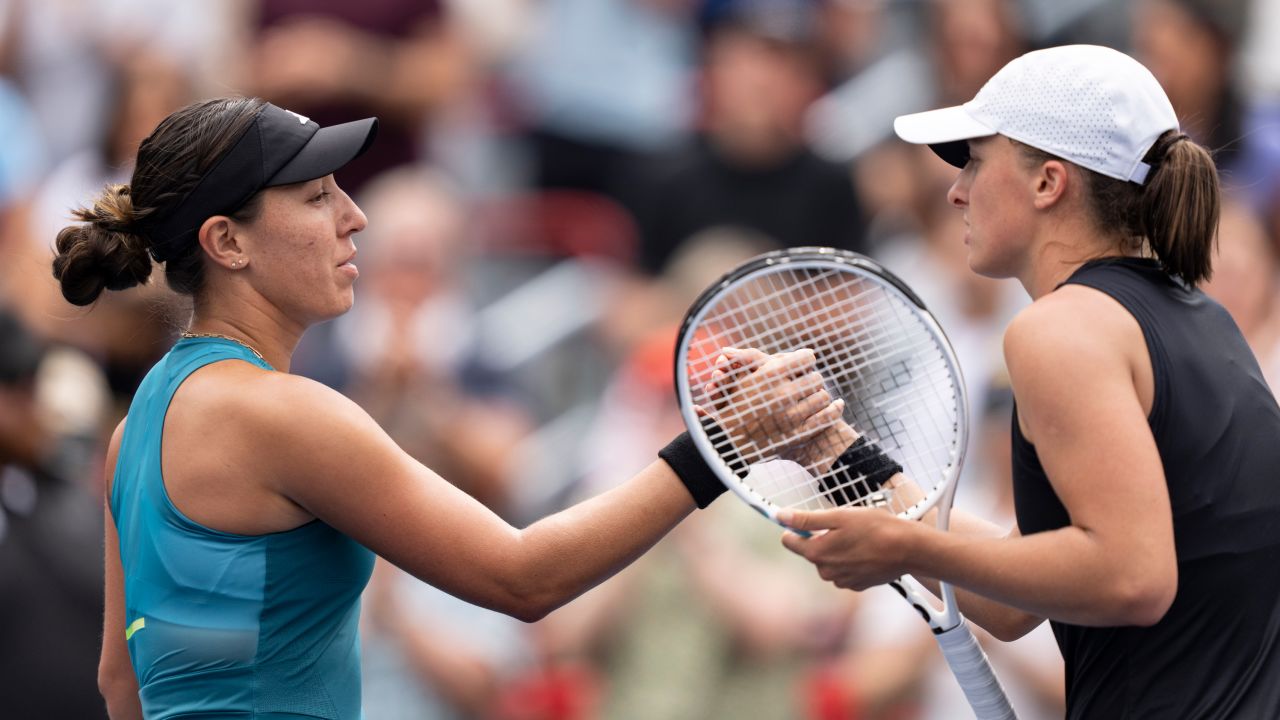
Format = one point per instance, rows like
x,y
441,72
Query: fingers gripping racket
x,y
873,345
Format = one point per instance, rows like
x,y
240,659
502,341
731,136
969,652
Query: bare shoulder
x,y
1074,349
292,429
1072,325
262,401
279,424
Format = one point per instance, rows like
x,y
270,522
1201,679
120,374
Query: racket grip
x,y
969,664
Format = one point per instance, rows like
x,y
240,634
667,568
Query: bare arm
x,y
1072,359
116,680
341,467
325,456
1003,621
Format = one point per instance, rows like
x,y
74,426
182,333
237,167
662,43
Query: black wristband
x,y
862,459
866,458
698,477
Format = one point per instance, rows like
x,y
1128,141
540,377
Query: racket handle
x,y
973,671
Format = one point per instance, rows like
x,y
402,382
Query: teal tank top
x,y
221,625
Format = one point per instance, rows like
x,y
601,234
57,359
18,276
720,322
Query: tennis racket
x,y
874,345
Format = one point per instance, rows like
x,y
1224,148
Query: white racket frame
x,y
963,654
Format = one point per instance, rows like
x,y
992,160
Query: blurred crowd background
x,y
554,181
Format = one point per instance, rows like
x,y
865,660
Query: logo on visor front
x,y
302,119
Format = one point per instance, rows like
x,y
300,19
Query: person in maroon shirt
x,y
399,60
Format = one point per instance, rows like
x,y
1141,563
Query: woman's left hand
x,y
852,548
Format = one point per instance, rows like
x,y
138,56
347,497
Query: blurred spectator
x,y
969,41
966,42
1089,22
21,164
972,309
1261,62
474,137
1190,46
408,343
1193,48
22,439
957,45
22,161
430,656
62,54
52,404
126,333
599,83
749,167
401,60
410,338
1246,280
54,52
851,35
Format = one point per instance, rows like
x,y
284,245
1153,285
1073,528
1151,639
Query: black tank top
x,y
1215,654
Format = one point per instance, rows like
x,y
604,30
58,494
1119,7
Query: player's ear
x,y
218,238
1050,182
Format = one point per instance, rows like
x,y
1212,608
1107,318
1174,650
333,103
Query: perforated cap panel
x,y
1091,105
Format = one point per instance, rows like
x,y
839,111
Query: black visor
x,y
279,148
956,153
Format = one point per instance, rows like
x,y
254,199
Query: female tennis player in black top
x,y
1146,445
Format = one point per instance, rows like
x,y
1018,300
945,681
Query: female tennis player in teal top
x,y
245,504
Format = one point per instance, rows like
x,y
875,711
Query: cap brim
x,y
944,131
327,151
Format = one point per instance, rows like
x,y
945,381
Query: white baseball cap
x,y
1091,105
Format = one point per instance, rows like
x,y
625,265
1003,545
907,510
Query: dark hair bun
x,y
104,252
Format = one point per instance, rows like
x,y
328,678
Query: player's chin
x,y
347,301
978,267
986,266
340,302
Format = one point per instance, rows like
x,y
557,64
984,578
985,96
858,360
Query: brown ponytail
x,y
109,251
1175,213
1179,207
105,253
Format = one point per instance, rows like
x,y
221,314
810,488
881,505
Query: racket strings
x,y
794,334
851,365
871,349
872,421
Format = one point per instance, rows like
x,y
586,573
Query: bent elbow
x,y
1146,612
1010,630
1010,625
1145,603
116,684
531,614
528,609
528,604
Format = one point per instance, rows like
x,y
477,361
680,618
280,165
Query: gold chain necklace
x,y
189,335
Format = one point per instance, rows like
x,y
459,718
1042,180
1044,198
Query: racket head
x,y
876,346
